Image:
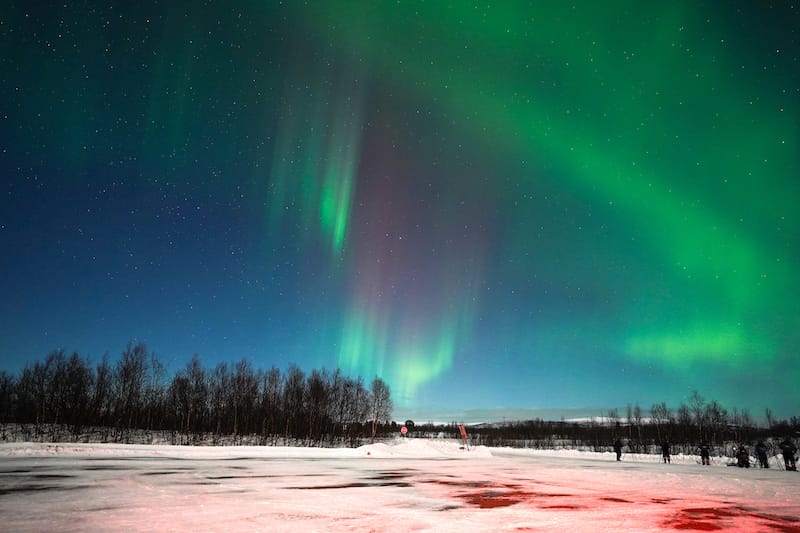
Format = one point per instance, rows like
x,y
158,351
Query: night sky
x,y
495,206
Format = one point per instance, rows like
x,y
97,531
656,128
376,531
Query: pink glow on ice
x,y
421,485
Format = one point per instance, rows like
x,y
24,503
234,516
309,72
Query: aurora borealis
x,y
520,205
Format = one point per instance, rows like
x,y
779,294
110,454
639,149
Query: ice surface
x,y
411,485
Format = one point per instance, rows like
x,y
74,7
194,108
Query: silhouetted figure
x,y
665,452
743,457
789,449
705,454
618,449
761,453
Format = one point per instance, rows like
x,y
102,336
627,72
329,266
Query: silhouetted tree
x,y
79,381
102,393
716,417
292,398
242,401
769,417
130,378
684,419
637,417
220,397
317,397
271,402
697,405
661,416
245,393
7,397
381,400
197,396
155,394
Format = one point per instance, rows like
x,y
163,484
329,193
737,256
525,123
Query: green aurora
x,y
527,204
653,120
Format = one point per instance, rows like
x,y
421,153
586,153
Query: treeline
x,y
692,423
237,400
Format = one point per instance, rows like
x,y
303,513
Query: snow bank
x,y
424,449
399,448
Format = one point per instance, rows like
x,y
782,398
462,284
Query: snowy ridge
x,y
425,449
399,448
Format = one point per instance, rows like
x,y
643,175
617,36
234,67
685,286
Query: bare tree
x,y
697,405
6,397
629,420
661,415
746,418
102,399
336,402
154,393
381,403
219,391
716,417
178,395
613,418
684,420
56,387
317,397
355,407
293,393
188,393
271,402
637,416
79,383
245,392
197,395
129,380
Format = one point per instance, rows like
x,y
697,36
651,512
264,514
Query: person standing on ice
x,y
618,449
665,452
742,457
789,449
761,453
705,454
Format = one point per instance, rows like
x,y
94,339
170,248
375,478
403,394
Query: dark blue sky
x,y
498,208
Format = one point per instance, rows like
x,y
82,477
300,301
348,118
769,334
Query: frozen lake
x,y
412,485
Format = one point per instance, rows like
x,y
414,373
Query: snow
x,y
411,484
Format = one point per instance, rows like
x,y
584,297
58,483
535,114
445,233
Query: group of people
x,y
788,449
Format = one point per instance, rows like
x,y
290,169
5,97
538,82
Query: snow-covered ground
x,y
411,485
